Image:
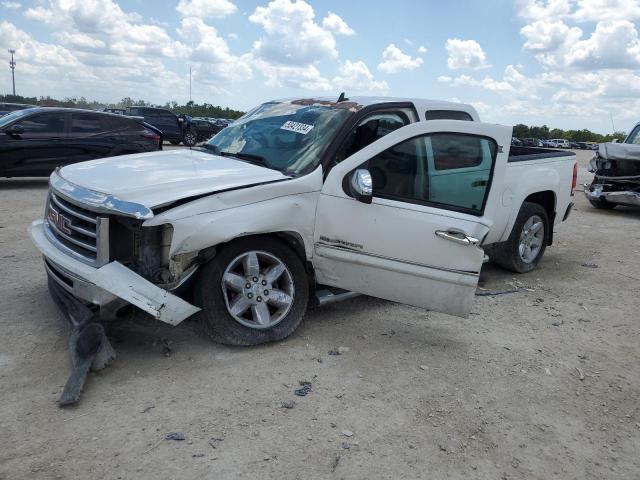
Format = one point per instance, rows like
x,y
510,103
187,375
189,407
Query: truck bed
x,y
523,154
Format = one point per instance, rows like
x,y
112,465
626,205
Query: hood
x,y
158,178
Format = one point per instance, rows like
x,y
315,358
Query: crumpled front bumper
x,y
106,285
597,192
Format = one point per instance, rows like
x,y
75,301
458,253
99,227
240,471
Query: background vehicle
x,y
175,128
559,143
33,142
516,141
205,129
12,107
306,201
617,173
117,111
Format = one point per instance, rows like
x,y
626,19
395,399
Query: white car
x,y
559,143
304,201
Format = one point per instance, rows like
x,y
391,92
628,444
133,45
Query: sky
x,y
563,63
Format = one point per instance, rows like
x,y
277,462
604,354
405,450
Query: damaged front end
x,y
617,176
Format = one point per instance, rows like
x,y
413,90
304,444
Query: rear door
x,y
413,244
41,148
91,135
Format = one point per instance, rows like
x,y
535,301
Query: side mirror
x,y
14,129
362,185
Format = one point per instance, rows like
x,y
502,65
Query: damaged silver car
x,y
617,173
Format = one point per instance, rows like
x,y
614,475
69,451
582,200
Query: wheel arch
x,y
547,200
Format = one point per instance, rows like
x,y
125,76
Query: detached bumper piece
x,y
89,347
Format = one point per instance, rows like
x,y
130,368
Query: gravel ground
x,y
417,394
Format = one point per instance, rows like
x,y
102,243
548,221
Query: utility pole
x,y
613,127
12,65
190,105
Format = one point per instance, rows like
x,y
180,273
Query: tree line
x,y
190,108
216,111
545,133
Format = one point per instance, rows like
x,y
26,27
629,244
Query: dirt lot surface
x,y
417,394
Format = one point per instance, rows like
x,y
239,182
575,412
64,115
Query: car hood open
x,y
160,178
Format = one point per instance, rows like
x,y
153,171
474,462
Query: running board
x,y
326,297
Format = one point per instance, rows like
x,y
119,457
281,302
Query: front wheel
x,y
527,242
255,290
190,138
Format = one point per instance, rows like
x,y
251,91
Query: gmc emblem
x,y
59,221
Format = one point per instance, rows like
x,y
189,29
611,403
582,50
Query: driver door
x,y
415,242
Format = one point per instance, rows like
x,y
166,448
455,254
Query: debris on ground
x,y
147,409
347,433
213,441
590,265
179,436
197,455
306,388
289,404
338,351
547,371
424,367
492,294
580,373
345,445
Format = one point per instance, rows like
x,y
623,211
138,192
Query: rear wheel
x,y
190,138
527,242
255,290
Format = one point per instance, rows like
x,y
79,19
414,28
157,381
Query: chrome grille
x,y
78,231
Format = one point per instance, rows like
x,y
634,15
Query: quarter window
x,y
448,170
87,123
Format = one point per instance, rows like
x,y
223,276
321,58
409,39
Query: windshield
x,y
10,117
634,136
284,136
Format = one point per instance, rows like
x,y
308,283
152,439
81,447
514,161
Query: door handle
x,y
479,183
457,237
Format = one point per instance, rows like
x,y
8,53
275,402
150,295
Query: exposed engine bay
x,y
617,176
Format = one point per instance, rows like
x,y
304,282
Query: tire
x,y
174,142
190,138
508,254
248,328
602,204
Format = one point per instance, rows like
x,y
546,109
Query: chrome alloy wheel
x,y
531,239
258,289
190,139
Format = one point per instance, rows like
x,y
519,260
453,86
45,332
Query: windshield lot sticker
x,y
296,127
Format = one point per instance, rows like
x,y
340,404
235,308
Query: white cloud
x,y
233,36
549,40
599,10
465,54
211,53
292,37
206,8
307,77
613,44
394,60
543,9
355,78
11,5
422,49
337,25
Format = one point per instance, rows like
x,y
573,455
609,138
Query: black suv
x,y
175,128
33,142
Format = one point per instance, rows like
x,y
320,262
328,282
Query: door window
x,y
89,124
43,123
369,130
448,170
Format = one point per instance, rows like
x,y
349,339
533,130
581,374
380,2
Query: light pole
x,y
12,65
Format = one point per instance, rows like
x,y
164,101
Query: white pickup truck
x,y
304,201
